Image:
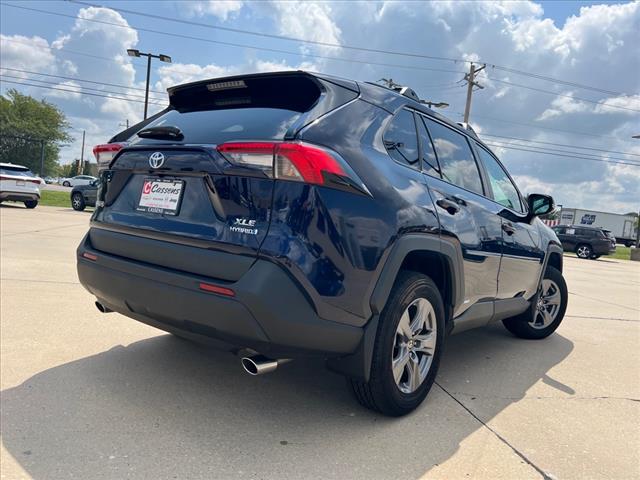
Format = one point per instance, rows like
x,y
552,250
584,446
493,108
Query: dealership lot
x,y
88,395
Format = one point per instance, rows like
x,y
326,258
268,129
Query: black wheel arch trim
x,y
358,364
448,249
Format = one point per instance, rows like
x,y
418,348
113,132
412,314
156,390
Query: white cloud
x,y
596,47
26,53
307,20
222,9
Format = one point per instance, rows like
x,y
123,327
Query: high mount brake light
x,y
287,161
105,153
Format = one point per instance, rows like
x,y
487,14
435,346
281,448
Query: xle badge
x,y
244,225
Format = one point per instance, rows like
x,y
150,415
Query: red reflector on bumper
x,y
89,256
207,287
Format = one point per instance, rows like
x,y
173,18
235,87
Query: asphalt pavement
x,y
87,395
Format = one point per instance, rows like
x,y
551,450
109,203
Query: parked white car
x,y
77,180
19,184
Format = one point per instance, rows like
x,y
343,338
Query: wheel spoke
x,y
552,299
547,317
404,327
414,373
399,364
426,343
423,310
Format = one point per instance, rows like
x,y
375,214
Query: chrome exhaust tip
x,y
259,364
102,308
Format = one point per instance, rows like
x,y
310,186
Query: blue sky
x,y
588,43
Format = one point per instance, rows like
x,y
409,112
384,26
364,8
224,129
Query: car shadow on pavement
x,y
165,408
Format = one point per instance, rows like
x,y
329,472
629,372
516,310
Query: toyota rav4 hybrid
x,y
288,215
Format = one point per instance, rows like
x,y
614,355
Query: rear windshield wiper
x,y
162,133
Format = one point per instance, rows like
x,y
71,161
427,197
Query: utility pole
x,y
81,166
42,158
470,79
126,124
132,52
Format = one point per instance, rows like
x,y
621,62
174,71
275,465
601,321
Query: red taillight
x,y
37,181
105,153
288,161
89,256
207,287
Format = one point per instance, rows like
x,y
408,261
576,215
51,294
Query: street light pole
x,y
132,52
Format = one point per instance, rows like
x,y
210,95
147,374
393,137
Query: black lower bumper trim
x,y
268,313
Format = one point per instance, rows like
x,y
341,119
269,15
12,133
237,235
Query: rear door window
x,y
401,140
455,157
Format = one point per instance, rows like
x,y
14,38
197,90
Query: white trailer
x,y
621,226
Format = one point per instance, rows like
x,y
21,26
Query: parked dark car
x,y
291,214
83,196
586,242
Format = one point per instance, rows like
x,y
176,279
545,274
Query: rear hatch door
x,y
181,196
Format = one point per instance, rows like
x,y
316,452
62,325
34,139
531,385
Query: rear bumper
x,y
604,249
18,196
269,312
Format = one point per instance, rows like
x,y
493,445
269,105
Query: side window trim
x,y
419,117
523,204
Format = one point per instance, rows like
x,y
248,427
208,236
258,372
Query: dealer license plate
x,y
161,196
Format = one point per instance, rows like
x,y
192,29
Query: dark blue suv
x,y
286,215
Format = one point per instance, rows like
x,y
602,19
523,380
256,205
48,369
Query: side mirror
x,y
540,204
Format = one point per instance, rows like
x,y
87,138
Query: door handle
x,y
450,206
508,229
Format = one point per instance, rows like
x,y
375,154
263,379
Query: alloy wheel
x,y
583,252
76,201
547,306
414,345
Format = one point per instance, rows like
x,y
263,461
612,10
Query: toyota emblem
x,y
156,159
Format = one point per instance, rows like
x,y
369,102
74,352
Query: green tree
x,y
25,124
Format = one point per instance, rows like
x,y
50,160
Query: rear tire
x,y
534,323
415,307
31,203
66,184
77,202
584,251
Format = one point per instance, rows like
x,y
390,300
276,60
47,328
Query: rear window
x,y
19,171
218,126
249,108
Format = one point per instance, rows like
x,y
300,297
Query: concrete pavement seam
x,y
604,318
524,458
43,230
39,281
604,301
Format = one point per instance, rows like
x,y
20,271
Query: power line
x,y
231,44
555,80
287,52
78,86
571,152
80,80
561,155
75,91
346,47
484,134
531,125
64,50
562,95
